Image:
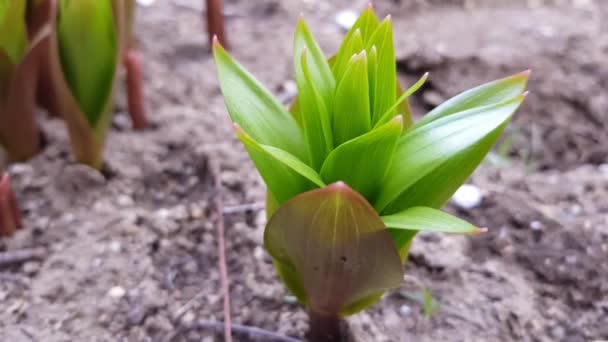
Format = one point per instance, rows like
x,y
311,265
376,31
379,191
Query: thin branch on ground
x,y
242,331
243,208
21,255
221,249
14,278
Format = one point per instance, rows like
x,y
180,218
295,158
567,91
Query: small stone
x,y
536,225
115,246
432,98
405,310
467,197
124,201
346,19
31,267
258,253
117,292
145,3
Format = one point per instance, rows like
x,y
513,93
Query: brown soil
x,y
132,252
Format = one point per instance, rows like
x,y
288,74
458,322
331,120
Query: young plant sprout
x,y
10,216
351,179
85,49
69,66
19,65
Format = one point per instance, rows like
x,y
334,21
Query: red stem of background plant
x,y
137,111
10,216
215,22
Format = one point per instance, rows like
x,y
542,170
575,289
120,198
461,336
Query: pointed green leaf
x,y
441,155
337,245
386,75
402,99
483,95
372,71
13,40
364,27
284,174
254,108
320,72
315,120
362,162
353,46
88,50
351,112
429,219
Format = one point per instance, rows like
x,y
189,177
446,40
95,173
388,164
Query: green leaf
x,y
314,116
320,72
372,72
13,40
363,162
355,45
337,245
88,50
402,99
483,95
254,108
433,160
428,219
351,112
386,75
284,174
365,26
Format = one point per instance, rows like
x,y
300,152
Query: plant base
x,y
10,216
323,328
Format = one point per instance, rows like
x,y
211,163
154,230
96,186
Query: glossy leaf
x,y
364,27
447,147
315,118
337,244
318,68
284,174
13,40
372,71
401,100
253,107
362,162
354,45
386,75
483,95
351,114
88,48
429,219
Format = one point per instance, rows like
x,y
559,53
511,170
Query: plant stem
x,y
132,63
215,22
326,328
10,216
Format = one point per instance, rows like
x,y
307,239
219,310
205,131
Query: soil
x,y
132,253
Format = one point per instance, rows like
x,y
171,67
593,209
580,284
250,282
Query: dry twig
x,y
221,248
243,331
21,255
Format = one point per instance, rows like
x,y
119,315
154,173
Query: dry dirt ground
x,y
132,250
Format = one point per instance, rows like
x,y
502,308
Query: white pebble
x,y
536,225
467,197
145,3
405,310
117,292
